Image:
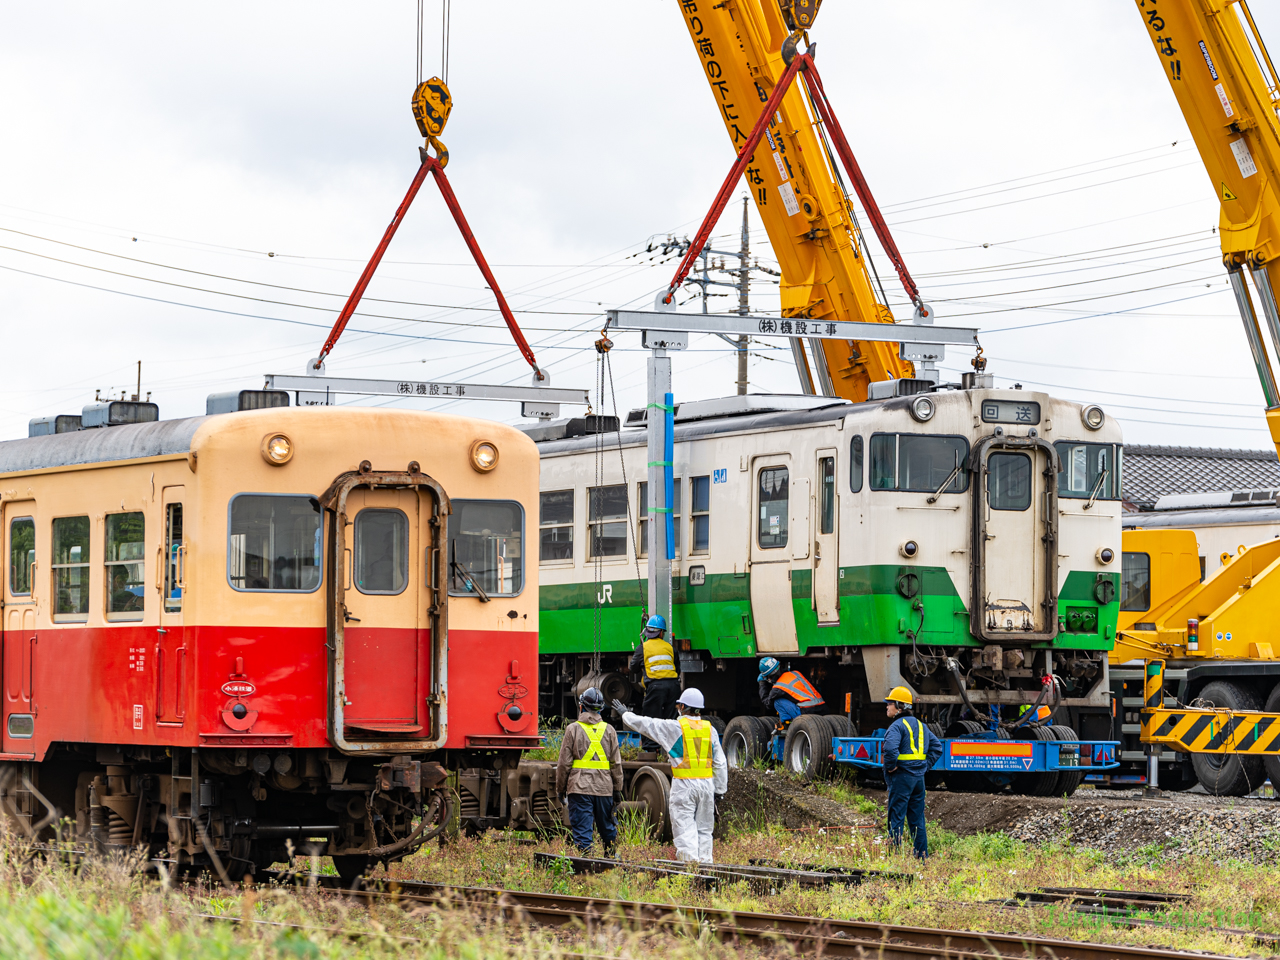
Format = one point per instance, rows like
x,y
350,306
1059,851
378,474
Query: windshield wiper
x,y
1097,487
463,572
945,483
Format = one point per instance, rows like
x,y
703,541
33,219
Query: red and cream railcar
x,y
226,634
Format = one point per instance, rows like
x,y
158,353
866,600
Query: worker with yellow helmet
x,y
910,750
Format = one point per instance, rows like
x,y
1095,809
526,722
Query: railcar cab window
x,y
22,555
381,551
124,558
71,568
486,555
775,515
1009,481
1135,582
274,542
919,463
1090,471
555,525
855,465
699,515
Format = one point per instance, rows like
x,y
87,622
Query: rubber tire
x,y
1036,784
351,867
718,726
1068,781
1228,775
933,779
807,745
1271,765
741,742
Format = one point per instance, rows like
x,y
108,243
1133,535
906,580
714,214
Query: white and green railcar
x,y
963,542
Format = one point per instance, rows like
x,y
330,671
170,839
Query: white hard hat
x,y
692,698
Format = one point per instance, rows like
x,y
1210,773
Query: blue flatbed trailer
x,y
986,753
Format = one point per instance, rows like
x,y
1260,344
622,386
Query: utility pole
x,y
744,288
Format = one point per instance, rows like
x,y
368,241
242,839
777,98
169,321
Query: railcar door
x,y
773,540
172,664
826,543
19,638
1015,514
387,640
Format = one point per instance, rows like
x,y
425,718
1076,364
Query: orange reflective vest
x,y
695,738
798,688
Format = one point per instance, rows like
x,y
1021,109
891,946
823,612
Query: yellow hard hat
x,y
899,694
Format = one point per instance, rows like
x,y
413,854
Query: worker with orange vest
x,y
788,694
699,772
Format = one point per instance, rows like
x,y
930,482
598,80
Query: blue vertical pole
x,y
668,479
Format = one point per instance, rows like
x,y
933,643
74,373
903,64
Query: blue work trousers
x,y
787,709
587,810
906,802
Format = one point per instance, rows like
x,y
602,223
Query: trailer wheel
x,y
1068,781
807,746
1226,774
1037,784
741,742
965,781
933,779
1271,765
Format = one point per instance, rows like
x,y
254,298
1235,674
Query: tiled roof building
x,y
1152,472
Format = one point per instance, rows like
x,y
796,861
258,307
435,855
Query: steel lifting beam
x,y
1201,730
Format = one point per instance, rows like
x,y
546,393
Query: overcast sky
x,y
1031,160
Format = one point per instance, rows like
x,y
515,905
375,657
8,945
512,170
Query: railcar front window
x,y
381,551
1135,582
607,521
22,555
486,556
1009,481
274,543
175,560
125,554
775,515
555,525
1090,471
919,463
71,568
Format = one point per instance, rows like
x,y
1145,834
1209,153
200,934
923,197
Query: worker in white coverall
x,y
698,770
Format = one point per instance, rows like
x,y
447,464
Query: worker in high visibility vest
x,y
656,661
589,774
788,694
699,772
910,750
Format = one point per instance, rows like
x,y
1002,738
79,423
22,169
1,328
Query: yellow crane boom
x,y
809,220
1220,71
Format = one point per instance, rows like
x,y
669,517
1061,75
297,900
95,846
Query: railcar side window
x,y
1135,582
1089,470
919,463
124,564
775,515
700,515
642,500
855,465
71,568
555,525
827,478
1009,481
274,542
607,521
22,554
485,548
381,551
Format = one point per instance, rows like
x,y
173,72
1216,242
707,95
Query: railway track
x,y
806,935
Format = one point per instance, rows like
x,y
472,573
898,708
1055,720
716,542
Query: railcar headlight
x,y
909,549
1105,554
922,409
1093,417
277,449
484,456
